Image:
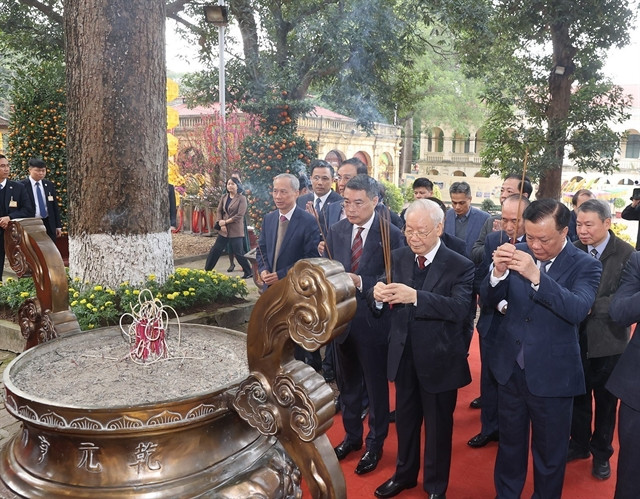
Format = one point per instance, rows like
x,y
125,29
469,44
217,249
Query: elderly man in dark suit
x,y
624,381
491,317
511,185
550,286
42,195
601,341
323,196
361,351
14,203
430,293
288,234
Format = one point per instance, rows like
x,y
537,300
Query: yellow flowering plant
x,y
95,305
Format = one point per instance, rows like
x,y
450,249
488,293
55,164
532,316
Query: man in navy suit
x,y
318,201
430,294
464,221
288,234
624,381
300,234
490,319
361,351
44,202
550,286
14,203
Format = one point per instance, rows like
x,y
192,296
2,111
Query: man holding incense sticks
x,y
360,242
427,302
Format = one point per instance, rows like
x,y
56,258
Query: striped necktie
x,y
356,250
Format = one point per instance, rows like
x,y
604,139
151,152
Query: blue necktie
x,y
42,206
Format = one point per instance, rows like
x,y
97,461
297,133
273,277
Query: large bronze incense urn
x,y
228,416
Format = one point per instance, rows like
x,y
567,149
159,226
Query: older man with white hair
x,y
430,292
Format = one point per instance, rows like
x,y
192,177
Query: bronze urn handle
x,y
285,397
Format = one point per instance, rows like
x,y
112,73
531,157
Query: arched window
x,y
633,146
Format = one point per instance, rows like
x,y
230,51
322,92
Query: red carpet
x,y
471,469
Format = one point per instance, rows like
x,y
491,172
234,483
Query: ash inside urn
x,y
93,369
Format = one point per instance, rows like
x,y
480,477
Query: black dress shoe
x,y
231,267
601,469
368,462
247,276
476,403
437,496
574,454
391,488
345,448
481,440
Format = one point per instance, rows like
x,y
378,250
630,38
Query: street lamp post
x,y
218,16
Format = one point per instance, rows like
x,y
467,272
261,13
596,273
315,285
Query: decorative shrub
x,y
393,197
38,125
95,305
276,149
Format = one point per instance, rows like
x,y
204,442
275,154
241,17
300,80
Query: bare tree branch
x,y
194,28
47,10
175,7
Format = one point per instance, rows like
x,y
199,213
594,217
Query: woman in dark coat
x,y
231,211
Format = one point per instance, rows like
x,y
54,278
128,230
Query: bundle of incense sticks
x,y
385,221
322,232
524,175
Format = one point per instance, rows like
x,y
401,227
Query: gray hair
x,y
523,201
460,188
433,209
596,206
295,183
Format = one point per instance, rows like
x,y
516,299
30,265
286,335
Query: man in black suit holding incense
x,y
430,293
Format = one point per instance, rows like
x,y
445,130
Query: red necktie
x,y
422,262
356,250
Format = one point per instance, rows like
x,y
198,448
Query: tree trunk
x,y
407,145
560,82
117,144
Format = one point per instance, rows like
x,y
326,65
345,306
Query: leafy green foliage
x,y
32,33
277,148
393,196
38,125
541,63
95,305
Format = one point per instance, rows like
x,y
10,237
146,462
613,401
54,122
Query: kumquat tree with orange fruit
x,y
38,125
277,148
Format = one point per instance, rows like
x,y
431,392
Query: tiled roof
x,y
184,111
